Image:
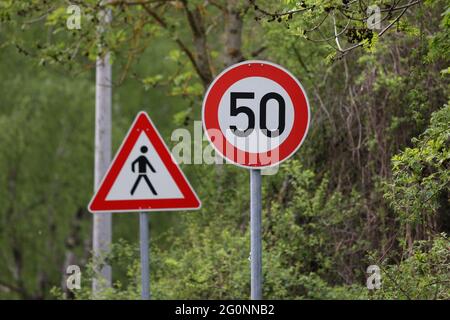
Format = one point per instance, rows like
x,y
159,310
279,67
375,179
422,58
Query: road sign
x,y
256,114
144,176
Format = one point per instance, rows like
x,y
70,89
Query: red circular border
x,y
265,70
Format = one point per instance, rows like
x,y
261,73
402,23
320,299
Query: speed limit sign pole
x,y
256,115
255,234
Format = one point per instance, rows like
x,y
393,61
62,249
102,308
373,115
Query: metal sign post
x,y
145,270
255,234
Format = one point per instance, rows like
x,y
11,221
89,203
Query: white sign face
x,y
256,114
268,102
160,179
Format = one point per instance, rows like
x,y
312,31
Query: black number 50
x,y
235,110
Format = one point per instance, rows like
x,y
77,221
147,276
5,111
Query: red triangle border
x,y
143,123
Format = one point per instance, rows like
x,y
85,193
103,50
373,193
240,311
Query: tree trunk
x,y
202,59
233,34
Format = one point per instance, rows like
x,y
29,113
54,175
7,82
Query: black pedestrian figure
x,y
143,162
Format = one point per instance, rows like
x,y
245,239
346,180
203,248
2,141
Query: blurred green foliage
x,y
370,185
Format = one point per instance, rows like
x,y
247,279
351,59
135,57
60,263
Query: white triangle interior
x,y
161,180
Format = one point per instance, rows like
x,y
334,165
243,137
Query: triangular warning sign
x,y
144,176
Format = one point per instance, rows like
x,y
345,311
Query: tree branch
x,y
180,43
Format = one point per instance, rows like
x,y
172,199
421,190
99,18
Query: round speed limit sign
x,y
256,114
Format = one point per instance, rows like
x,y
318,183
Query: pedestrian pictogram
x,y
142,163
144,176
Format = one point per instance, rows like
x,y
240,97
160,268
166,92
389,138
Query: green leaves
x,y
422,275
57,16
152,81
421,174
44,185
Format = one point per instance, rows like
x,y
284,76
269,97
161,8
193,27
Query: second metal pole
x,y
102,222
145,272
255,234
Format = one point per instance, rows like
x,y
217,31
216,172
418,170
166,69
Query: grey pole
x,y
102,222
255,234
145,274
